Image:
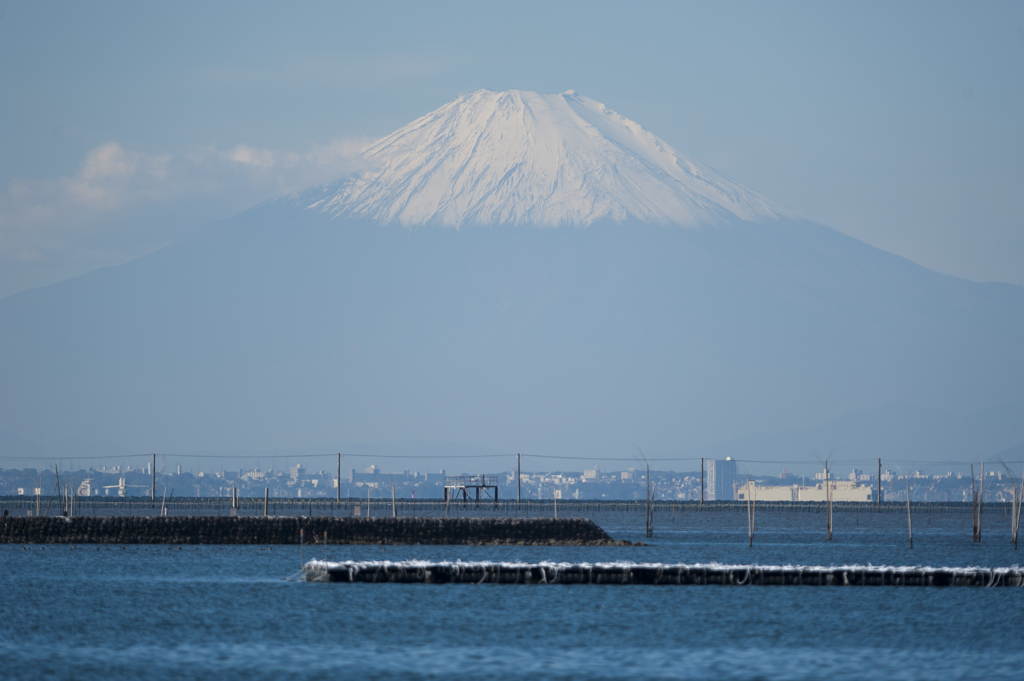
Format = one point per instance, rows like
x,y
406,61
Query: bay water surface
x,y
227,612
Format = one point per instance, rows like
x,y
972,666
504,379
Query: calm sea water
x,y
227,613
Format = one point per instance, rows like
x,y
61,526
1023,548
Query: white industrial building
x,y
842,490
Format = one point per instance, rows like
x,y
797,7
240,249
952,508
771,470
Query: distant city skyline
x,y
721,482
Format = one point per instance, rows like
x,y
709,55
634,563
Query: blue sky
x,y
125,125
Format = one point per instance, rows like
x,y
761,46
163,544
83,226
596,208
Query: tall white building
x,y
721,476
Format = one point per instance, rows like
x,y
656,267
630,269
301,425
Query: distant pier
x,y
420,572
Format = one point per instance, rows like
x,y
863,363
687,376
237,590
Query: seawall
x,y
288,530
421,572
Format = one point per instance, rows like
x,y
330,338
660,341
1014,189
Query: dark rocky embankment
x,y
284,530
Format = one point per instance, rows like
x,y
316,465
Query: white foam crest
x,y
421,564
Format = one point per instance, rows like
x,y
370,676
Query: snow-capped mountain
x,y
521,157
716,317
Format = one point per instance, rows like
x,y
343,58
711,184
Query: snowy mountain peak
x,y
521,157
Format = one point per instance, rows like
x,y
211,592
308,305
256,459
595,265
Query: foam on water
x,y
618,565
627,572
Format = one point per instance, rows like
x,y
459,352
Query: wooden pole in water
x,y
554,496
394,509
828,501
650,511
39,490
910,528
367,502
751,509
702,482
266,500
974,507
981,498
1017,491
519,480
56,490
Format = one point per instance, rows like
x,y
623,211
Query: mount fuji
x,y
521,272
523,158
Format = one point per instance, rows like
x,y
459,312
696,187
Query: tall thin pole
x,y
750,517
394,509
828,499
974,505
266,499
702,482
878,496
910,528
981,499
519,479
1017,492
339,477
39,490
650,517
152,488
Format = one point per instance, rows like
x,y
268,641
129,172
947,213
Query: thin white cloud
x,y
100,214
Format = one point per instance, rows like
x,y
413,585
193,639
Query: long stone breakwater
x,y
420,572
292,530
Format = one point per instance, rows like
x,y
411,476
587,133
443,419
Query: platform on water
x,y
421,572
293,530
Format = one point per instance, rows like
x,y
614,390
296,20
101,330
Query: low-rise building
x,y
842,490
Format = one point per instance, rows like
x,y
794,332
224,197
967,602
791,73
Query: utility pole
x,y
152,489
339,477
702,482
519,479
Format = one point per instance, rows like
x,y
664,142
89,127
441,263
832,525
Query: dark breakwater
x,y
293,530
420,572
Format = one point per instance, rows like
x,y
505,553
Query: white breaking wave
x,y
518,157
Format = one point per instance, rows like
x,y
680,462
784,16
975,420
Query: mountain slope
x,y
281,330
305,322
521,157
